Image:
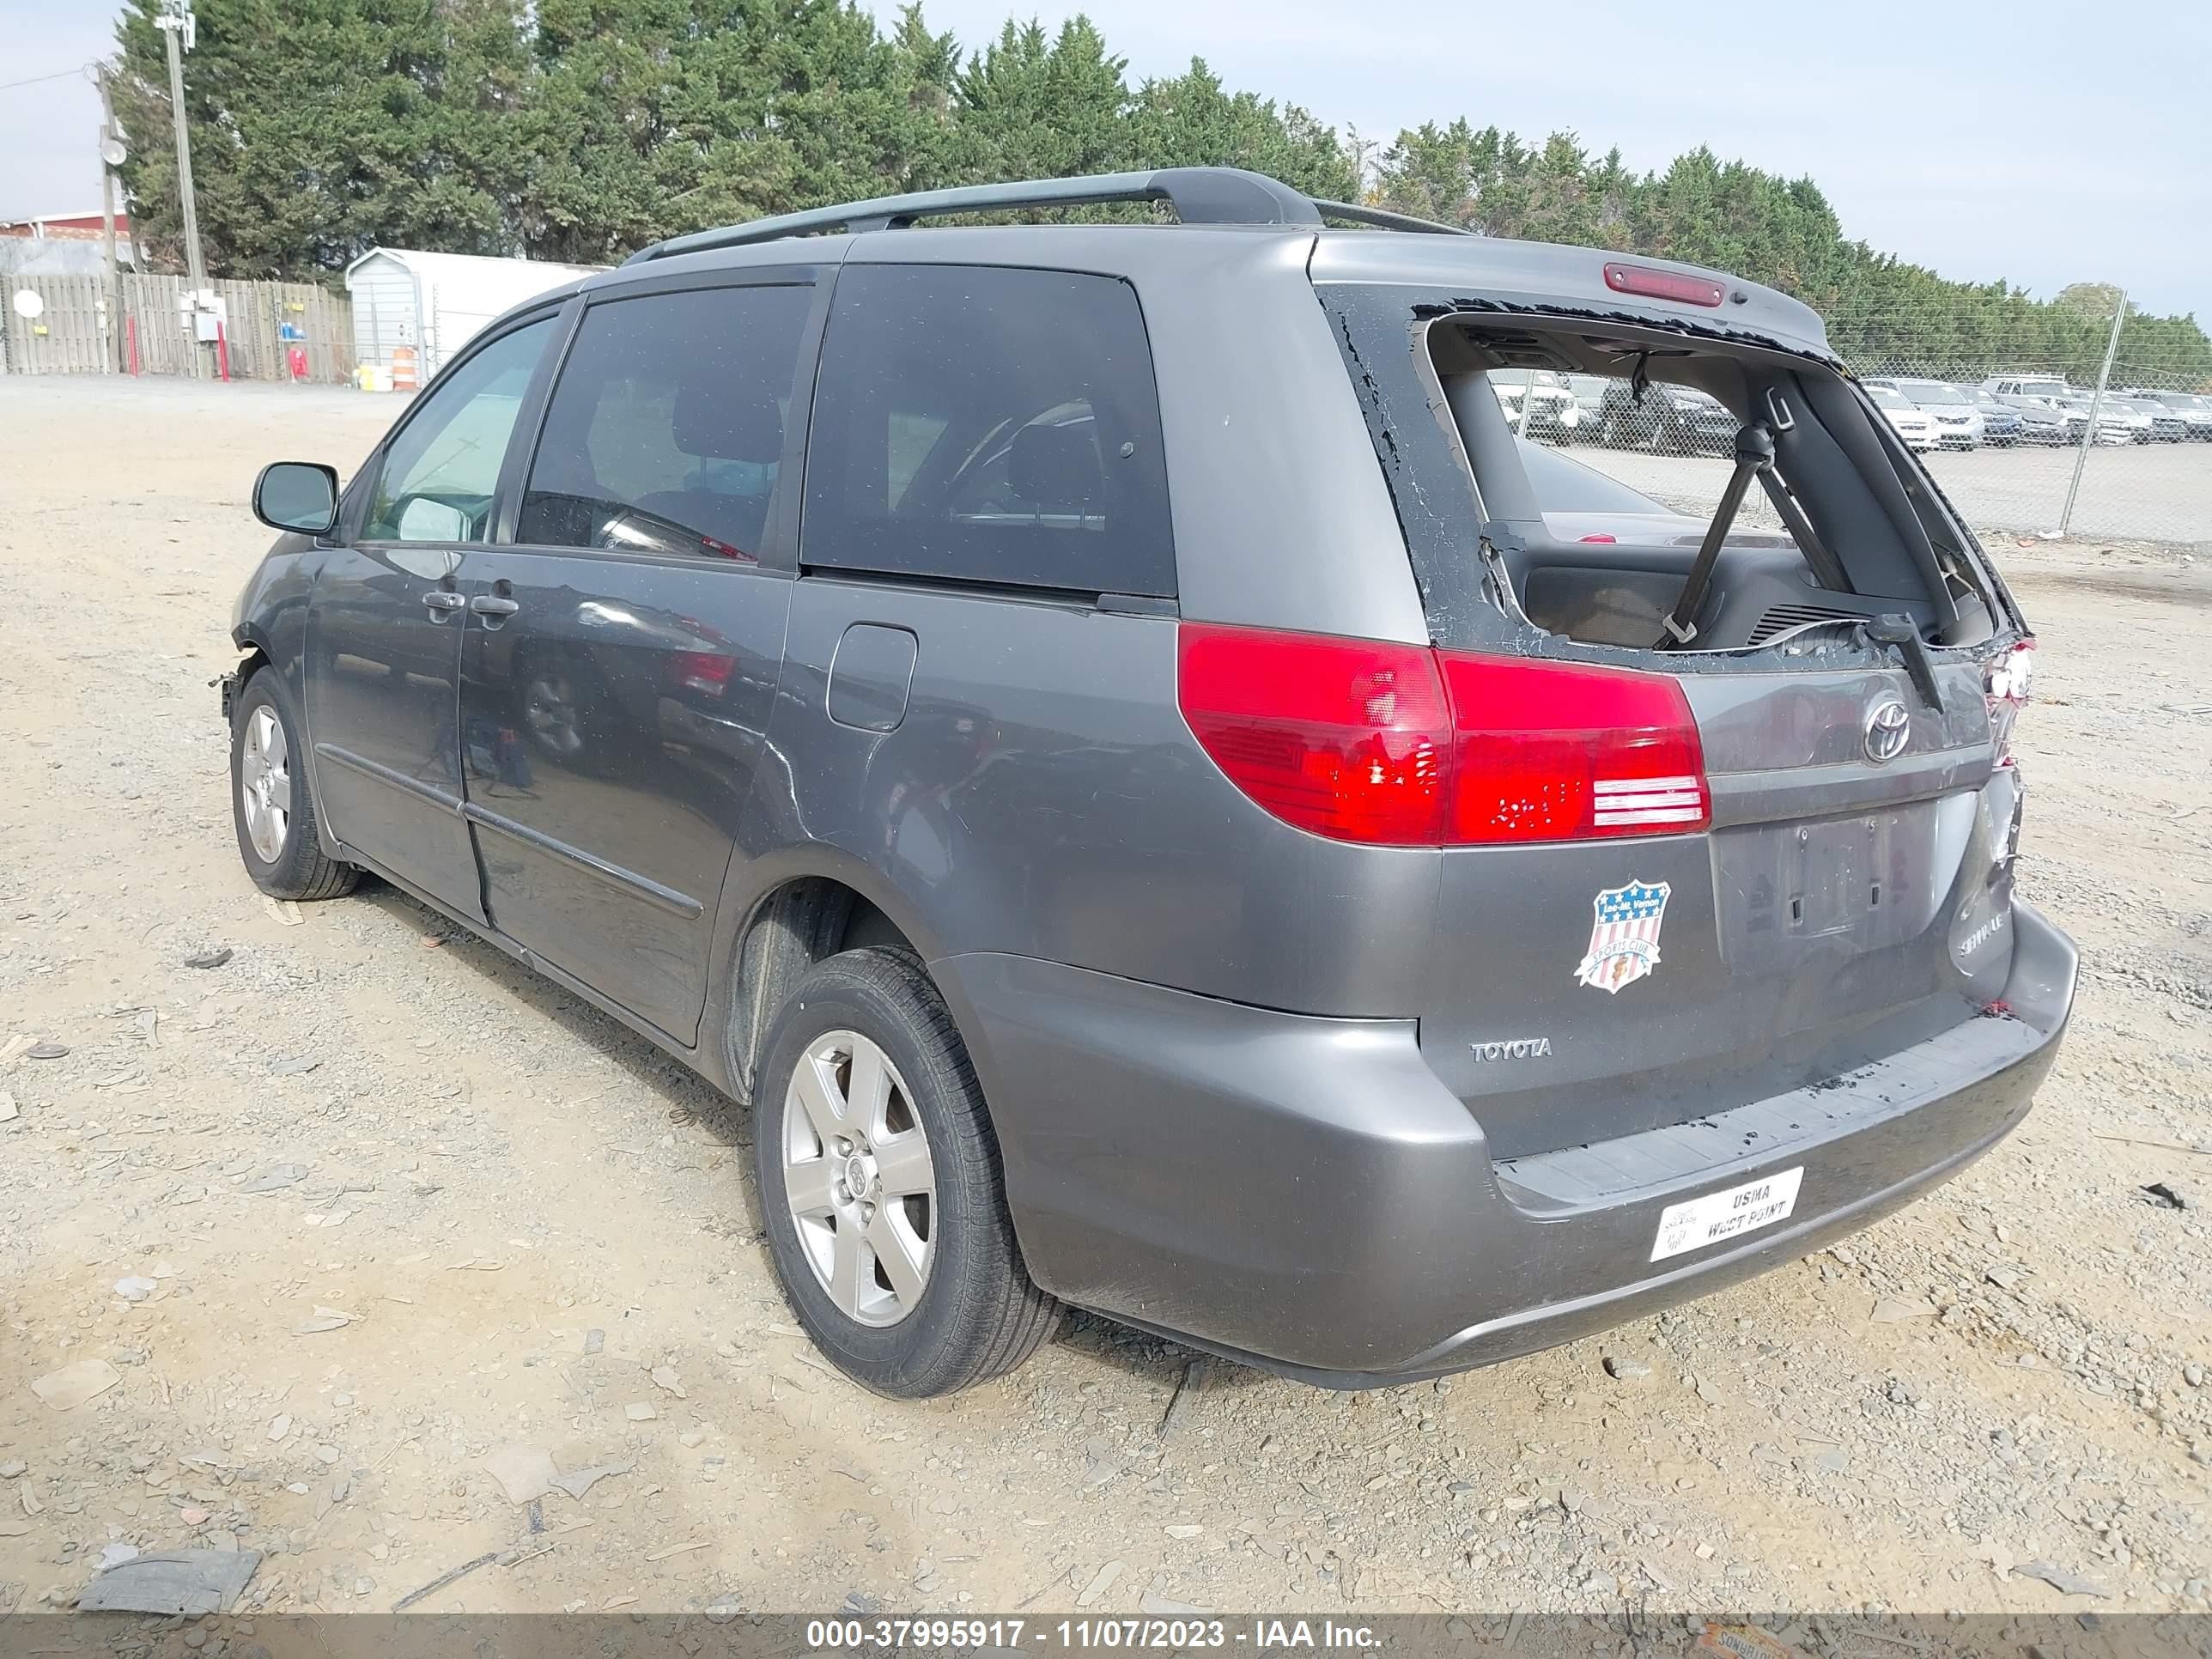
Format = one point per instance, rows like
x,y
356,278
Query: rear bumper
x,y
1302,1193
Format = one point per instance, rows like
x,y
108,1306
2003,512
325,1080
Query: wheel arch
x,y
254,651
795,909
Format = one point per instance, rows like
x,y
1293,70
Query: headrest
x,y
1055,466
719,419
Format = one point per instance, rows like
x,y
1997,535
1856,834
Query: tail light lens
x,y
2005,683
1345,737
1390,744
1558,752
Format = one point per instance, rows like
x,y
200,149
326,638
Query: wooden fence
x,y
74,332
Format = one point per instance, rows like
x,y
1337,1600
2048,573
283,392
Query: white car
x,y
1537,402
1914,424
1958,423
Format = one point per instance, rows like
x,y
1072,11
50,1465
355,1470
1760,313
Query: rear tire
x,y
271,806
883,1203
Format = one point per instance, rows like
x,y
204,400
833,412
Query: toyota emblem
x,y
1887,728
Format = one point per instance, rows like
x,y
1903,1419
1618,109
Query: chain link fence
x,y
2017,433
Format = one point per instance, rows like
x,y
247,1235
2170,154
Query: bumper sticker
x,y
1624,942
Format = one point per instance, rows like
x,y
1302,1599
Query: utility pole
x,y
175,21
2096,409
111,156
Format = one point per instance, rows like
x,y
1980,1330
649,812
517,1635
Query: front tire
x,y
270,804
880,1188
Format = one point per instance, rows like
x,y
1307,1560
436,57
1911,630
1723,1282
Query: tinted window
x,y
996,426
665,434
441,472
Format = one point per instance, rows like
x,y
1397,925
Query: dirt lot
x,y
398,1209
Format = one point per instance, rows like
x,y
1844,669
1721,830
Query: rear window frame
x,y
1381,330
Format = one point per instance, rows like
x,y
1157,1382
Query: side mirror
x,y
301,496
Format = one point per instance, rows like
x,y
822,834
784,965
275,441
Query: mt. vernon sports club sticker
x,y
1624,942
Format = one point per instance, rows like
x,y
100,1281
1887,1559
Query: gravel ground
x,y
395,1224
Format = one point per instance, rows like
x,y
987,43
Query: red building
x,y
66,226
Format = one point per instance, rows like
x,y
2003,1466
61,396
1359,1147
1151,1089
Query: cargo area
x,y
1825,524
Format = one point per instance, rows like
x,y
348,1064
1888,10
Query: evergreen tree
x,y
579,129
319,129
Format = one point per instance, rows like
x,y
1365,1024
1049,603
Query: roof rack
x,y
1382,219
1200,196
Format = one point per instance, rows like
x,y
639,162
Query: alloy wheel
x,y
858,1178
264,784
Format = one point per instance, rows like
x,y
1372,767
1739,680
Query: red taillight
x,y
1664,285
1557,751
2005,684
1363,741
1345,738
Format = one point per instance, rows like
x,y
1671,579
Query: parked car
x,y
1589,400
2161,424
2191,409
2117,422
2046,388
1198,824
1914,424
1537,404
1957,421
2028,422
2030,392
2113,423
2027,392
1678,420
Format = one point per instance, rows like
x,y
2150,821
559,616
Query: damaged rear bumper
x,y
1304,1194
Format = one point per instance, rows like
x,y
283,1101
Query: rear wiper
x,y
1900,630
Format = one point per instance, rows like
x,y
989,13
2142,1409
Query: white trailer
x,y
413,310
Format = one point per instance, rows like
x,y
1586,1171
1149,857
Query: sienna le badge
x,y
1624,942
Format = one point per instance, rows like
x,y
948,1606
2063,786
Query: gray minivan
x,y
1103,735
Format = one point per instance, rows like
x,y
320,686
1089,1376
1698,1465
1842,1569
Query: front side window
x,y
985,425
665,433
440,474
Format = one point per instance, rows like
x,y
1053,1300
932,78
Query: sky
x,y
2041,142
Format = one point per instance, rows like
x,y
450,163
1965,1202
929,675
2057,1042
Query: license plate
x,y
1699,1221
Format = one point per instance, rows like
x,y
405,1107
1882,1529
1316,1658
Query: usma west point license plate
x,y
1696,1222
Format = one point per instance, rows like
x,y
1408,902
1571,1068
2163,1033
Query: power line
x,y
59,74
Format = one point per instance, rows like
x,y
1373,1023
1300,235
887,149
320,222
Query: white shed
x,y
436,302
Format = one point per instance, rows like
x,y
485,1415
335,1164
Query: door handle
x,y
490,605
439,599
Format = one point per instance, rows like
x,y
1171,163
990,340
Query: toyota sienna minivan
x,y
1157,799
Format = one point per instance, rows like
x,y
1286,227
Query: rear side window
x,y
988,425
665,434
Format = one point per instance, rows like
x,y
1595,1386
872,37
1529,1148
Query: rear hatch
x,y
1836,909
1741,863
